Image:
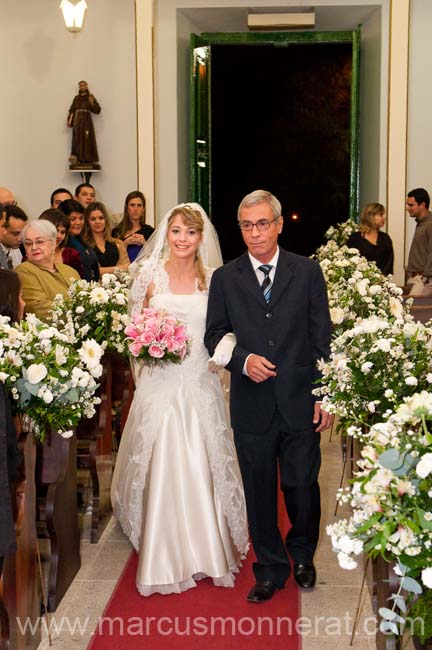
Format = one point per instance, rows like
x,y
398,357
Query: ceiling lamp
x,y
281,21
73,14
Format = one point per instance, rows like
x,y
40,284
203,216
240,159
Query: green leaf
x,y
388,614
390,459
369,523
409,584
424,523
399,602
388,626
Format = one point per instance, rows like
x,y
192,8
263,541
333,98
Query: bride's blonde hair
x,y
193,219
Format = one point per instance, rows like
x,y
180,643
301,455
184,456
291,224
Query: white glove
x,y
223,352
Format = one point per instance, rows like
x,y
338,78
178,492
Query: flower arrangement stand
x,y
58,512
122,393
95,451
385,583
19,592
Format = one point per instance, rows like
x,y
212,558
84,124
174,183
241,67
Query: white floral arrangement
x,y
356,288
373,367
391,498
340,233
96,309
51,381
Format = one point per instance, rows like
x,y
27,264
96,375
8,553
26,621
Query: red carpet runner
x,y
204,617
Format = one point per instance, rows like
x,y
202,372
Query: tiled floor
x,y
328,611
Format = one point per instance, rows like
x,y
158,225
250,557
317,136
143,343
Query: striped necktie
x,y
266,283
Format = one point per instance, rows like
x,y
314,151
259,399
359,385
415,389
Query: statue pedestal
x,y
86,174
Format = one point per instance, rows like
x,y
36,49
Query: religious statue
x,y
84,153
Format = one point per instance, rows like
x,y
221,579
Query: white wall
x,y
373,116
40,66
419,168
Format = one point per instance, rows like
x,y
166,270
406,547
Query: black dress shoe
x,y
305,575
262,591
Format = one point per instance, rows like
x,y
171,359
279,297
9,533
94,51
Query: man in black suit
x,y
275,302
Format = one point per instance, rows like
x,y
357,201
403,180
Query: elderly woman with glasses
x,y
41,277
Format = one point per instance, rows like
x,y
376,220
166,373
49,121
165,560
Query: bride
x,y
176,488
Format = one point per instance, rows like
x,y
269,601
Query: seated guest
x,y
75,213
59,195
41,278
63,253
16,219
111,253
4,262
7,196
374,245
85,194
12,305
132,229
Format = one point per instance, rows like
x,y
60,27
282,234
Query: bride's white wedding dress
x,y
176,489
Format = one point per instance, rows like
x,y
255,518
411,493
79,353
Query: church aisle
x,y
327,612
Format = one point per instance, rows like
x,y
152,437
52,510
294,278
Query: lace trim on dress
x,y
128,496
178,587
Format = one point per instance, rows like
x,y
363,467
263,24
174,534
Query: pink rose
x,y
135,348
156,351
147,337
131,330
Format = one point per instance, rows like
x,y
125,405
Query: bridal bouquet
x,y
156,335
52,382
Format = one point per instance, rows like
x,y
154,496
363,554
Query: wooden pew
x,y
58,512
19,590
95,437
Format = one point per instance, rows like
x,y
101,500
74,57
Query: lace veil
x,y
156,251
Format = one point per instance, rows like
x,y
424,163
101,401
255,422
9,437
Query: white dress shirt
x,y
260,277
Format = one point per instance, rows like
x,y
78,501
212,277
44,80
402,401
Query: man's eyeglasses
x,y
262,224
37,242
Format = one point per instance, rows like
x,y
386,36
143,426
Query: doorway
x,y
282,116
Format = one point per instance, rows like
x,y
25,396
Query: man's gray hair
x,y
42,227
261,196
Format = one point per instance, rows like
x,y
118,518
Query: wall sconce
x,y
73,15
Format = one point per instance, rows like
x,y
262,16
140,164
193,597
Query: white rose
x,y
60,354
48,396
336,315
362,286
395,307
36,372
366,367
66,434
426,576
79,309
371,407
384,345
424,467
411,381
346,562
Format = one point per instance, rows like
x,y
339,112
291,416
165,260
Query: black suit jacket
x,y
293,331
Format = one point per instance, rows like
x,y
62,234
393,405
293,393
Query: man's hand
x,y
322,417
259,368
